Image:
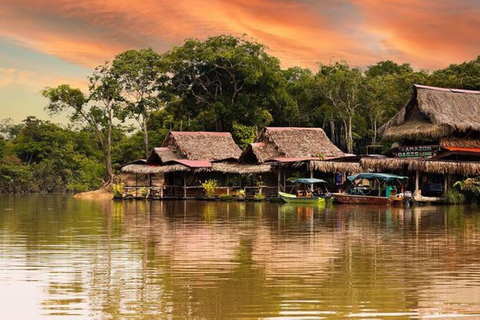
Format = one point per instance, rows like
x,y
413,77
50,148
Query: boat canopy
x,y
388,177
308,180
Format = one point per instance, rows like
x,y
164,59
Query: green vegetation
x,y
259,196
209,187
118,190
241,194
455,196
226,197
470,188
224,83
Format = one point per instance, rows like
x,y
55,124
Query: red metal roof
x,y
200,133
462,149
293,159
194,163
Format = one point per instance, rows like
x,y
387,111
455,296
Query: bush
x,y
118,190
209,187
455,196
259,196
241,194
144,192
226,197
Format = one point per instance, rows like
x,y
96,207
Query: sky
x,y
50,42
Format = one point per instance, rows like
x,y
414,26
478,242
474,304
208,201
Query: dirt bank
x,y
100,194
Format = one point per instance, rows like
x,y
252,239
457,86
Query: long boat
x,y
382,191
291,198
313,198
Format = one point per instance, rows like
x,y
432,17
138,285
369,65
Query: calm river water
x,y
64,258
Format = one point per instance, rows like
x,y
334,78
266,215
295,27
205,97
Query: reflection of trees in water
x,y
216,259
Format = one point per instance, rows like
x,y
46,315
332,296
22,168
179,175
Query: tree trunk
x,y
332,131
108,155
349,136
145,136
374,131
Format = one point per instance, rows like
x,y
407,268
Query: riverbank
x,y
100,194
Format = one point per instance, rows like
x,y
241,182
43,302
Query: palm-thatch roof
x,y
433,113
224,167
211,146
332,166
296,143
423,165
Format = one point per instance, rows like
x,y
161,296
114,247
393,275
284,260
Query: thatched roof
x,y
273,143
148,169
433,113
428,166
332,166
224,167
462,143
202,145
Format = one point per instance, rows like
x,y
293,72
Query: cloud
x,y
88,32
428,33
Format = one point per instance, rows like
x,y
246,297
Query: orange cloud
x,y
428,33
88,32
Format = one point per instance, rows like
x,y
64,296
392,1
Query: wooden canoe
x,y
290,198
354,199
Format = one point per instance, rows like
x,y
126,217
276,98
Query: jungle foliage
x,y
224,83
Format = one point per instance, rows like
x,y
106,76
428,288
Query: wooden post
x,y
445,184
284,181
311,176
417,183
279,178
184,186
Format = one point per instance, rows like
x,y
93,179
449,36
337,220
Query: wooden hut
x,y
188,158
291,149
437,133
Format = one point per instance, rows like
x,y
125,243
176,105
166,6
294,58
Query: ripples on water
x,y
107,260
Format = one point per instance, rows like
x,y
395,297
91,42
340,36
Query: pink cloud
x,y
428,33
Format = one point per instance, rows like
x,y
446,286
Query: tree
x,y
226,80
343,87
98,110
142,77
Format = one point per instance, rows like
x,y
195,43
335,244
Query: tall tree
x,y
343,87
142,77
226,80
98,110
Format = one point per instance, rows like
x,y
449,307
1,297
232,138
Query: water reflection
x,y
79,259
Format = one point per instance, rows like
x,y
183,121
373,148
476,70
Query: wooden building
x,y
188,158
437,138
293,150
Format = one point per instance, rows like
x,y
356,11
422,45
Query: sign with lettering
x,y
417,151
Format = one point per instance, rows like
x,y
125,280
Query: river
x,y
75,259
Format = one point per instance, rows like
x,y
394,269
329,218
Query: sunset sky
x,y
49,42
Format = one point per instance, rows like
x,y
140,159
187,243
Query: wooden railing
x,y
195,191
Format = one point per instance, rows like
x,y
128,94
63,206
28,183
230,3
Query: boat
x,y
381,188
307,196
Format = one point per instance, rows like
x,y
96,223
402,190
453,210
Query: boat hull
x,y
353,199
290,198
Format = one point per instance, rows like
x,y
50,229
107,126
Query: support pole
x,y
311,176
417,183
445,184
279,179
284,181
184,187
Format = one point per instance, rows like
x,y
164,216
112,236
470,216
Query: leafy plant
x,y
259,196
118,190
144,192
209,186
226,197
455,196
241,194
